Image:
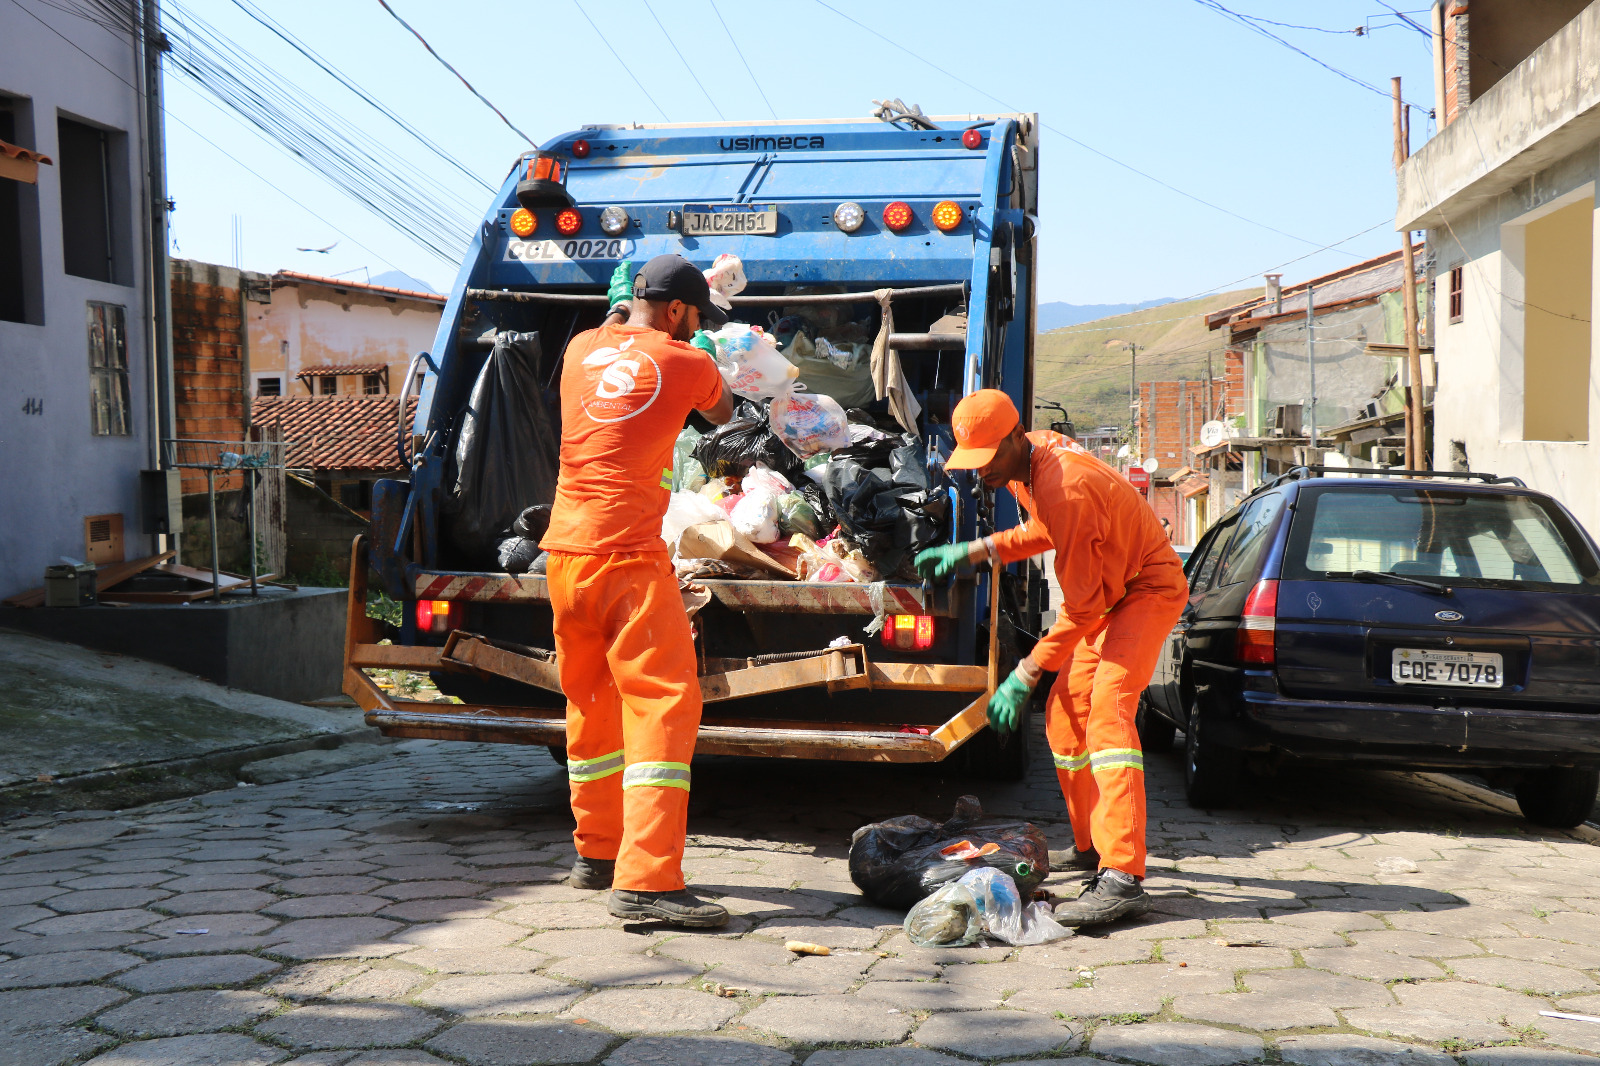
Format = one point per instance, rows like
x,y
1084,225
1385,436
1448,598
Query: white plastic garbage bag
x,y
756,515
763,477
685,509
726,279
750,363
808,422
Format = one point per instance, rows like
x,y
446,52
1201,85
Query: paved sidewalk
x,y
410,911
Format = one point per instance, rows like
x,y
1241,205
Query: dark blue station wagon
x,y
1443,623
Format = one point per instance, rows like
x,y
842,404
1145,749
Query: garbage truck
x,y
916,236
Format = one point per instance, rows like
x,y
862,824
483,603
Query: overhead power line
x,y
685,62
1064,135
445,63
740,53
625,66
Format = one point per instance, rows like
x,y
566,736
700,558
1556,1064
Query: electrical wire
x,y
485,100
1359,31
624,66
343,79
740,53
1062,134
685,62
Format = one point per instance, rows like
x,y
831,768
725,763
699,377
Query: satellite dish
x,y
1124,451
1151,465
1212,434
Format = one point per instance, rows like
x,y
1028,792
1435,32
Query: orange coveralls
x,y
623,646
1122,589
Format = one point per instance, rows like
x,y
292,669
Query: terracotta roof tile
x,y
346,370
336,432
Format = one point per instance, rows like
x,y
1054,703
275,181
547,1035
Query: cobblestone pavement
x,y
411,911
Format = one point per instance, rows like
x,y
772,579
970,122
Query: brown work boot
x,y
679,908
1110,896
592,873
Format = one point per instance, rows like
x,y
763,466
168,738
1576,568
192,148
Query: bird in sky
x,y
320,251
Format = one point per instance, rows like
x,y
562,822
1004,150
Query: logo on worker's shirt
x,y
619,383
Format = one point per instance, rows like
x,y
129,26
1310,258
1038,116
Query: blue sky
x,y
1169,87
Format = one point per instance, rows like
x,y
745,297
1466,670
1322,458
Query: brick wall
x,y
1170,416
208,359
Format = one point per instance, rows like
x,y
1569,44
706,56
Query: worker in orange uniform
x,y
624,651
1122,588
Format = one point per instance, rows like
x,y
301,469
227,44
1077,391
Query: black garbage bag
x,y
818,501
506,452
731,450
897,862
892,517
533,522
517,554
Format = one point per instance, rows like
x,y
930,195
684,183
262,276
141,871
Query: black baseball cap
x,y
672,277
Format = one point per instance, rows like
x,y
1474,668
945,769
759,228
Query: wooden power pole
x,y
1416,426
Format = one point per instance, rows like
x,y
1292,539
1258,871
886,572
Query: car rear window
x,y
1469,538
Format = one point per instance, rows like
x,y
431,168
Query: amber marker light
x,y
897,216
568,222
947,215
523,222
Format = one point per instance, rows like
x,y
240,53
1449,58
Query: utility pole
x,y
1133,394
1416,428
1311,362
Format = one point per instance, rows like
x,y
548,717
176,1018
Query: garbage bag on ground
x,y
897,862
756,515
685,509
809,422
1003,913
506,451
750,362
947,919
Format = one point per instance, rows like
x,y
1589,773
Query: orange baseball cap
x,y
980,421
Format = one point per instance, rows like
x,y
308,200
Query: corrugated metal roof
x,y
336,432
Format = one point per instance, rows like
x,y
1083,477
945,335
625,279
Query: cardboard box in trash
x,y
719,540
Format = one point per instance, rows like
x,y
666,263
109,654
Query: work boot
x,y
1110,896
1073,859
592,873
675,908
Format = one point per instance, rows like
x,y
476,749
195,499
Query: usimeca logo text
x,y
767,144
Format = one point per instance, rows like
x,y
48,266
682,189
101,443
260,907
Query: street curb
x,y
1588,832
229,759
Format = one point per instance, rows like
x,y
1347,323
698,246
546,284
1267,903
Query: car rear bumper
x,y
1416,736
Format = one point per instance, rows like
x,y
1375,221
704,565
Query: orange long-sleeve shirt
x,y
1103,532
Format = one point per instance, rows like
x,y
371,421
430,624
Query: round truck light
x,y
972,138
947,215
849,216
897,216
613,221
580,149
523,222
568,222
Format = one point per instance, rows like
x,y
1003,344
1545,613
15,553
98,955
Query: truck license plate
x,y
741,221
565,251
1463,669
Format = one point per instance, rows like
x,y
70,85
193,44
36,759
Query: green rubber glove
x,y
703,341
621,290
940,562
1008,702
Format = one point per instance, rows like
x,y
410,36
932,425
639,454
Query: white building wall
x,y
53,470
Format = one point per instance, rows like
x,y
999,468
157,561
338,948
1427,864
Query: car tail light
x,y
849,216
524,222
1258,625
580,149
908,632
947,215
972,138
568,222
897,216
437,616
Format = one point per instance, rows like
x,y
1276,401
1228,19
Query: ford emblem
x,y
1449,616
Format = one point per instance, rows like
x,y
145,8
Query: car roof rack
x,y
1300,473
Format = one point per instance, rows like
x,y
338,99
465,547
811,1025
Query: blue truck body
x,y
553,282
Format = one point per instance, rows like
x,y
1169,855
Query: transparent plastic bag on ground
x,y
750,363
947,919
809,422
1002,911
756,516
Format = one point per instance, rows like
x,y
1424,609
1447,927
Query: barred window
x,y
371,385
108,370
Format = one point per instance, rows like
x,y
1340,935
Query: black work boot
x,y
592,873
675,908
1073,859
1110,896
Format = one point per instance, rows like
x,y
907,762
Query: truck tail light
x,y
524,222
947,215
849,216
1258,625
437,616
568,222
972,138
897,216
580,149
908,632
614,221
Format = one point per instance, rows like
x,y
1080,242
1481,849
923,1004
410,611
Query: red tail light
x,y
580,149
437,616
972,138
897,216
1258,625
908,632
568,222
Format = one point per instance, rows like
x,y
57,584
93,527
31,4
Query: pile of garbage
x,y
808,489
961,879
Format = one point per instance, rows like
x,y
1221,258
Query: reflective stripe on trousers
x,y
659,774
1116,759
1071,763
594,769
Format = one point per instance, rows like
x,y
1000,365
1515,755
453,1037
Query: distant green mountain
x,y
1084,367
1059,315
